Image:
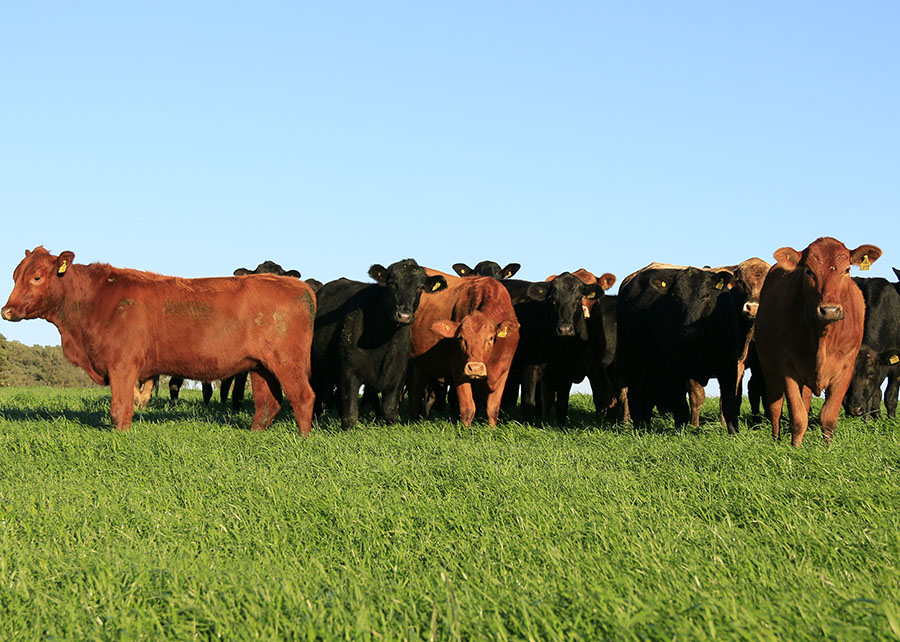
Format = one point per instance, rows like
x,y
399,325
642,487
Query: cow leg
x,y
175,384
755,392
530,376
390,402
697,395
891,393
601,390
349,408
142,392
796,399
774,402
729,400
265,400
466,403
207,392
416,393
299,393
828,417
121,405
562,404
237,395
224,387
678,403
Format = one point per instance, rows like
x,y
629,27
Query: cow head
x,y
694,293
747,284
564,295
38,284
476,335
825,274
487,268
405,281
268,267
863,398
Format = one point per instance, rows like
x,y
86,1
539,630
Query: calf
x,y
362,336
675,326
809,330
487,268
877,357
466,334
553,350
123,326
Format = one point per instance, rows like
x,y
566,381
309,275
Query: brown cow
x,y
124,326
467,334
809,329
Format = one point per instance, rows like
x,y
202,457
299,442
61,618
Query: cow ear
x,y
896,272
659,283
591,291
724,278
537,291
377,272
293,273
864,256
27,253
509,271
241,272
63,261
505,327
889,357
607,281
445,328
462,269
788,258
435,283
315,284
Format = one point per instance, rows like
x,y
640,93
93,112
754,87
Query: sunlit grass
x,y
191,526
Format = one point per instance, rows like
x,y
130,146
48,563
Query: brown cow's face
x,y
37,284
825,278
476,335
747,283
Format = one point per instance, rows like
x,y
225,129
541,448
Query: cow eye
x,y
36,279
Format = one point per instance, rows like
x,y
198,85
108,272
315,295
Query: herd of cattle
x,y
802,326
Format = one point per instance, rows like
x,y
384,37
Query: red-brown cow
x,y
123,326
809,329
467,334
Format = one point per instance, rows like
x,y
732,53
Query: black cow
x,y
487,268
878,356
361,336
553,351
676,324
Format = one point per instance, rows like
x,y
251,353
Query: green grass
x,y
191,527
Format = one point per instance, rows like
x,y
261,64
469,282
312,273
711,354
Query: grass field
x,y
191,527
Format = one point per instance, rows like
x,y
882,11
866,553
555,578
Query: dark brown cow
x,y
809,329
467,334
124,326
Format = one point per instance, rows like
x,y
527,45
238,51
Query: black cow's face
x,y
268,267
564,295
405,282
694,293
487,268
37,288
863,397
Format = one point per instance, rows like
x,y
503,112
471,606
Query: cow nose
x,y
567,330
7,314
750,309
475,370
831,313
403,317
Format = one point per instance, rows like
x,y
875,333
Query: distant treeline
x,y
22,365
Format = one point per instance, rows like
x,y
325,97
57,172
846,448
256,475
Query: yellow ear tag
x,y
662,284
63,267
866,263
894,359
719,285
586,310
507,275
436,286
502,334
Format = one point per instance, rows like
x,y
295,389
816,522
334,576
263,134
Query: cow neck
x,y
80,288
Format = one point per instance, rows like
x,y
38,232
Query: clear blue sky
x,y
192,138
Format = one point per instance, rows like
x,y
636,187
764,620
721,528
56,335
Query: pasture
x,y
191,527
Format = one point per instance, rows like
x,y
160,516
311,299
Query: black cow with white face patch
x,y
553,351
361,336
487,268
879,355
676,324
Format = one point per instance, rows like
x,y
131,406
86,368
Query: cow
x,y
487,268
675,325
123,326
362,336
553,351
877,357
808,331
466,334
743,292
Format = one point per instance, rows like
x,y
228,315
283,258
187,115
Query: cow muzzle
x,y
10,315
475,370
567,330
403,318
750,309
830,313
